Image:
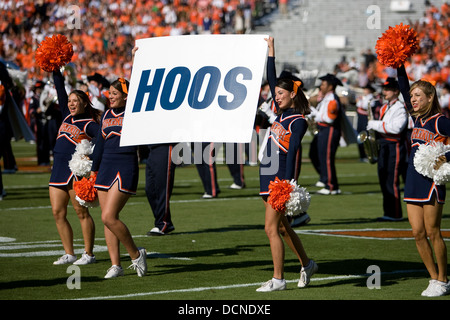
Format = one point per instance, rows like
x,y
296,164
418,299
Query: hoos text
x,y
208,78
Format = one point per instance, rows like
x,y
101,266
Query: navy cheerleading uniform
x,y
436,128
113,162
72,130
283,154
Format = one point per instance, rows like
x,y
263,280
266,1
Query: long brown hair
x,y
434,106
301,103
89,109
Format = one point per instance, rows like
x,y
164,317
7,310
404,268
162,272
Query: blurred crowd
x,y
103,32
430,62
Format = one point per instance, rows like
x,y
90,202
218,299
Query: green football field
x,y
219,250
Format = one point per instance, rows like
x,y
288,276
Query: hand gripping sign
x,y
201,88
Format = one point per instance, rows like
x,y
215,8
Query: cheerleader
x,y
80,122
282,160
117,178
424,198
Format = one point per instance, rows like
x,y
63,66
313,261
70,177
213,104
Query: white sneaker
x,y
306,274
320,184
114,272
436,289
140,264
85,259
272,285
427,291
236,186
325,191
65,259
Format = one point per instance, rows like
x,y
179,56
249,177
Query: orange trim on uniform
x,y
332,110
329,174
396,177
211,171
169,163
430,194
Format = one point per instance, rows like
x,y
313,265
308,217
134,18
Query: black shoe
x,y
300,220
389,219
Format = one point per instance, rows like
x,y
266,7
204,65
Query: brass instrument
x,y
311,121
368,139
312,126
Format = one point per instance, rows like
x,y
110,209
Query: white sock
x,y
277,281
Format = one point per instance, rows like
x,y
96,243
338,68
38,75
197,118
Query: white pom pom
x,y
80,164
87,204
442,175
425,158
424,161
299,200
85,147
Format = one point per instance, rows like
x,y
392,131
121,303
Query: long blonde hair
x,y
430,92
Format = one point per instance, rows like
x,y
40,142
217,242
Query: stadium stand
x,y
318,36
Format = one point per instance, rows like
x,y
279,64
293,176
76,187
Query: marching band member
x,y
326,142
366,101
391,130
207,168
159,181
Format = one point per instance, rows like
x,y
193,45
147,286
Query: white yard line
x,y
241,285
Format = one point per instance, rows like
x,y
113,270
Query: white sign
x,y
201,88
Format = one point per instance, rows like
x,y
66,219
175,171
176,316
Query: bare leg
x,y
293,241
433,216
416,216
272,221
59,199
112,202
87,223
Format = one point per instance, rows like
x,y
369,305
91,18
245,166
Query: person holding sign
x,y
117,178
282,152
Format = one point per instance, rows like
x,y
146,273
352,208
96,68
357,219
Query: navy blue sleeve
x,y
298,129
443,125
61,91
272,77
403,83
92,129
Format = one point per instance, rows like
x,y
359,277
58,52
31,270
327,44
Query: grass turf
x,y
219,250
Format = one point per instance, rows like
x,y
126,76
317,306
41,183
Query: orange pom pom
x,y
396,45
85,190
279,194
54,52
